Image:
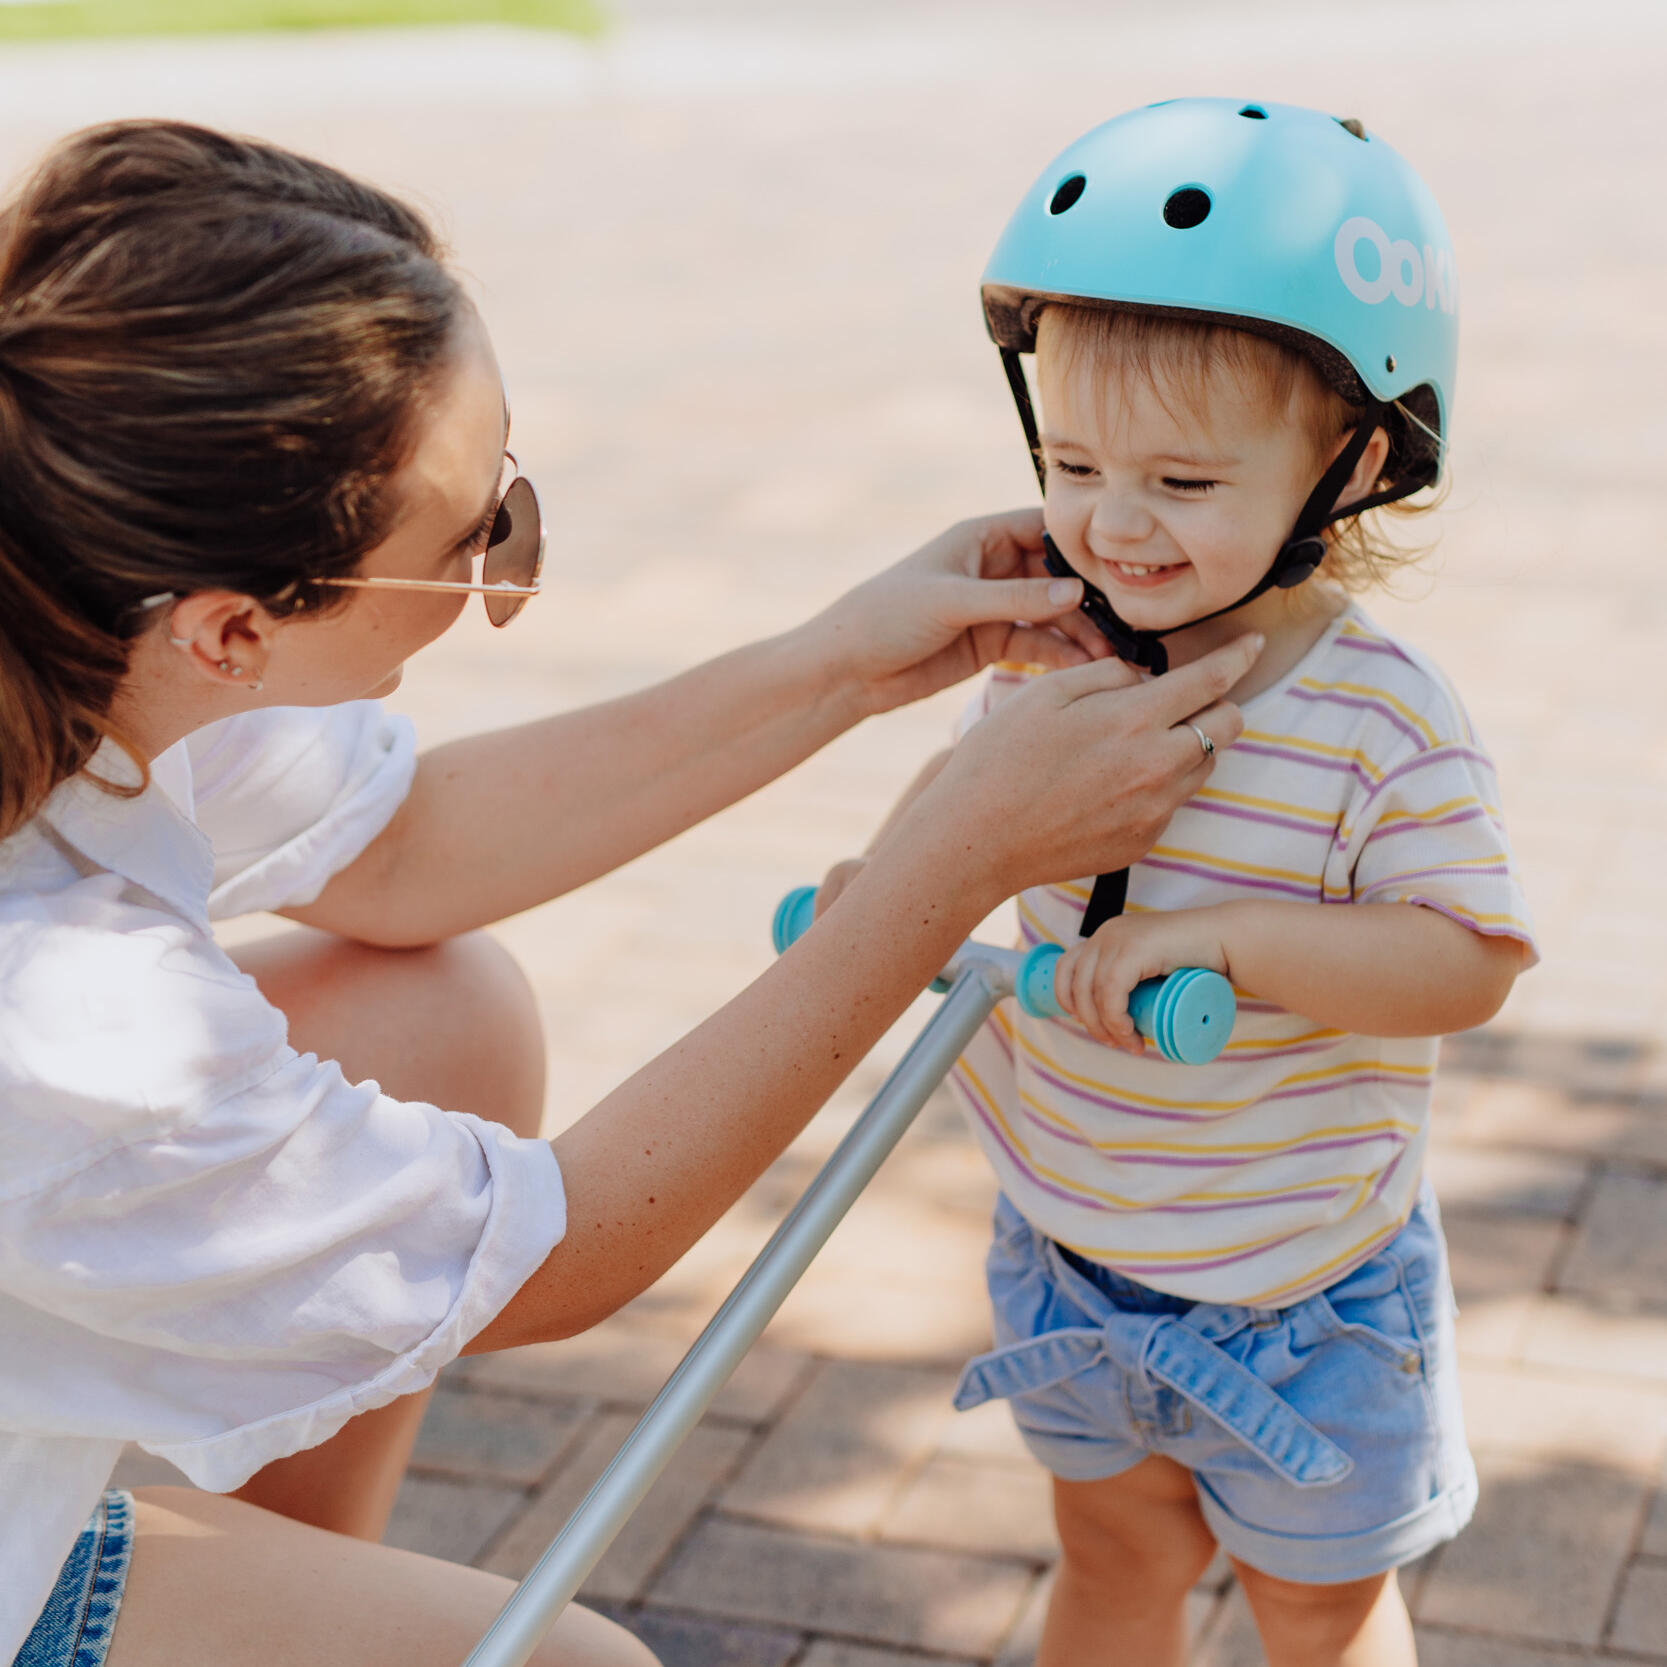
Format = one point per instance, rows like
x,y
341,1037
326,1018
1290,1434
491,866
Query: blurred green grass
x,y
49,19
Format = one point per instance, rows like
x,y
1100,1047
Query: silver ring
x,y
1204,741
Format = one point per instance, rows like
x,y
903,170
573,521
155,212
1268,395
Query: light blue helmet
x,y
1266,217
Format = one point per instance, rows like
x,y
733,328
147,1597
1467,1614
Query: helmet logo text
x,y
1405,271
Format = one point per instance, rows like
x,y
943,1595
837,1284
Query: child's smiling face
x,y
1173,499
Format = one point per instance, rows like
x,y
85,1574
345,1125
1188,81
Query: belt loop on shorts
x,y
1177,1354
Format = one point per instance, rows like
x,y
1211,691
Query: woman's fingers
x,y
1195,687
1090,678
1221,725
974,601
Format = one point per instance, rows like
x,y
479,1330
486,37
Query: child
x,y
1222,1308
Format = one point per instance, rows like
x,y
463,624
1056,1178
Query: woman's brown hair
x,y
210,350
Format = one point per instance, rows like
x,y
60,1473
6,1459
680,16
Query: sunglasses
x,y
510,564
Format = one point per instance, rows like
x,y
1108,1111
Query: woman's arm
x,y
500,822
1378,969
1022,799
844,872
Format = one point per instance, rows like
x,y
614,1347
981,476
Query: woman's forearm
x,y
652,1167
1379,969
500,822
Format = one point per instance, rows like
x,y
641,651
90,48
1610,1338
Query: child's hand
x,y
836,880
1093,978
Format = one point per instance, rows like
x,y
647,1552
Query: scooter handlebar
x,y
1188,1014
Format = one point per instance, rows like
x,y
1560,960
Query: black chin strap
x,y
1297,560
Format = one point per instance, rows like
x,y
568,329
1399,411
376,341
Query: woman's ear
x,y
226,637
1367,472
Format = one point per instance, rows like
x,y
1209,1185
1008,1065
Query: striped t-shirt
x,y
1267,1175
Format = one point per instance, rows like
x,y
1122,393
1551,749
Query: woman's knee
x,y
1142,1529
454,1023
494,1015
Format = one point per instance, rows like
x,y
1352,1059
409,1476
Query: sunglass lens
x,y
514,549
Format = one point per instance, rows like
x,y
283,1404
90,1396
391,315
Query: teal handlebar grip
x,y
1187,1015
793,917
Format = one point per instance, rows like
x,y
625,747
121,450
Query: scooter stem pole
x,y
981,979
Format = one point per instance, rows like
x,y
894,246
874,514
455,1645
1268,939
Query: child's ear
x,y
1367,472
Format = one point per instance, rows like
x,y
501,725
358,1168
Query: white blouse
x,y
210,1244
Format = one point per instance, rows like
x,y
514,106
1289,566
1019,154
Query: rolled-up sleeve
x,y
222,1249
289,795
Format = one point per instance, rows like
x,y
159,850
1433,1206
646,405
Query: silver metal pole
x,y
981,978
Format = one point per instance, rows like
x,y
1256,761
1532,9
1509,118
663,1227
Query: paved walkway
x,y
731,266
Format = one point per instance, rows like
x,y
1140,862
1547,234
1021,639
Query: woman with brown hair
x,y
252,439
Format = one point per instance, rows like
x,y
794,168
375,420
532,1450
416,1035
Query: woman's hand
x,y
1077,773
1094,978
954,607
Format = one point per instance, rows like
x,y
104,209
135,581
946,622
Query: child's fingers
x,y
1078,983
1113,980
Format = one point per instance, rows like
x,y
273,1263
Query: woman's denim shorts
x,y
79,1619
1325,1439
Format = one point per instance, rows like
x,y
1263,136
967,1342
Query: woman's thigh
x,y
454,1023
217,1583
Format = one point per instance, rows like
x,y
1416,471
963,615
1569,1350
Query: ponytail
x,y
210,352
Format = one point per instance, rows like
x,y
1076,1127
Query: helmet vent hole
x,y
1389,362
1067,193
1255,112
1352,124
1186,208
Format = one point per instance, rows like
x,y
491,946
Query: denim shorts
x,y
75,1627
1325,1439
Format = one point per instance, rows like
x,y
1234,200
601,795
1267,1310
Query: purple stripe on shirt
x,y
1229,1160
1348,766
1108,1102
1360,703
1250,882
1445,753
1462,872
1360,1079
999,1136
1272,819
1387,829
1511,929
1370,645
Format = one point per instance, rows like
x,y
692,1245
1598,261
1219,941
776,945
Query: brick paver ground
x,y
730,258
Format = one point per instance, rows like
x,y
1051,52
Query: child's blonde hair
x,y
1176,355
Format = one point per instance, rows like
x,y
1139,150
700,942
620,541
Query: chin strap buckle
x,y
1298,561
1135,648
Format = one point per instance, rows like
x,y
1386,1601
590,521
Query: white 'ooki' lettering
x,y
1405,271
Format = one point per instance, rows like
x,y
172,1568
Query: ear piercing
x,y
179,642
237,671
